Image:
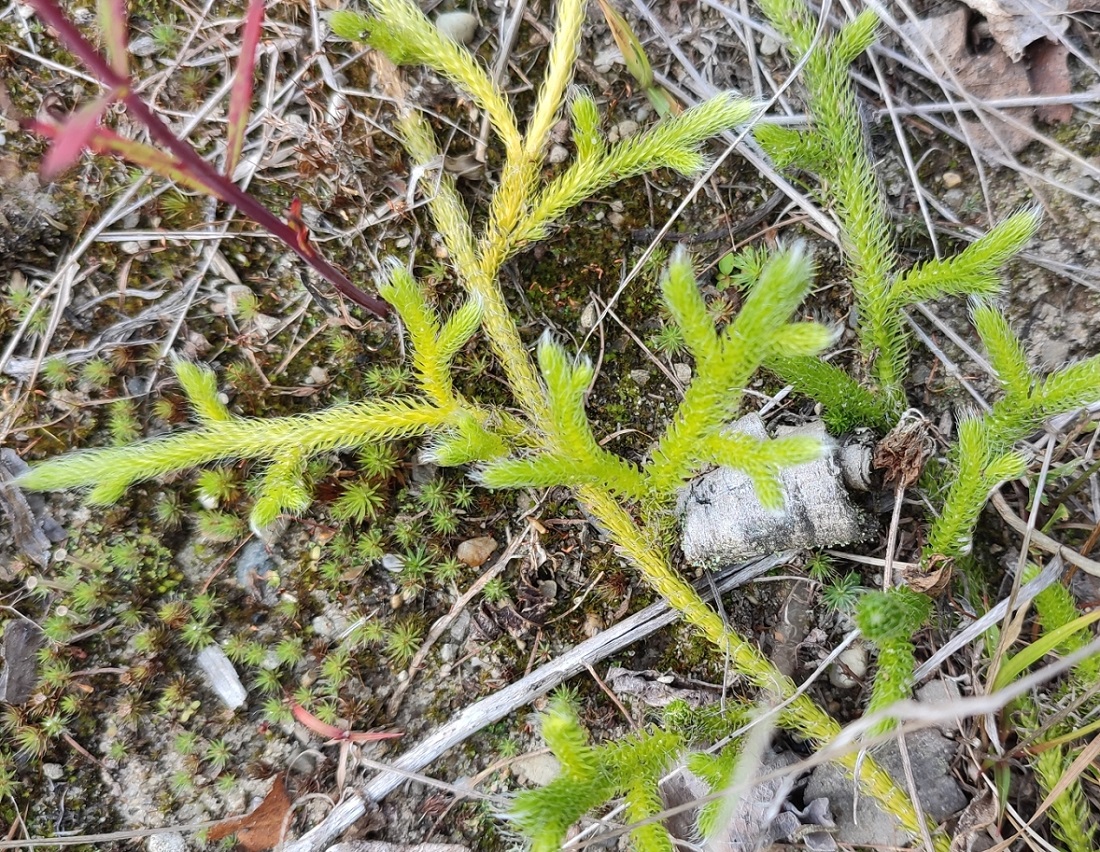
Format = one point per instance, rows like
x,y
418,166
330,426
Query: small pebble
x,y
682,372
850,667
143,46
558,155
168,841
606,58
951,179
329,626
627,127
536,770
593,624
589,316
53,771
458,26
475,551
137,385
392,562
954,198
768,46
639,377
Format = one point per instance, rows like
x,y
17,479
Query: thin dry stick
x,y
892,538
1042,540
446,621
914,793
614,698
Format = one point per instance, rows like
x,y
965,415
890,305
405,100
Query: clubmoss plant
x,y
590,776
889,619
838,153
545,438
874,394
984,455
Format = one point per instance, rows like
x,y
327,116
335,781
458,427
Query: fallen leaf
x,y
931,580
902,453
262,829
975,819
1048,71
987,75
1014,24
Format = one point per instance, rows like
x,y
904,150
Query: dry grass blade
x,y
241,95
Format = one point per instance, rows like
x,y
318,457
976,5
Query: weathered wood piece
x,y
724,522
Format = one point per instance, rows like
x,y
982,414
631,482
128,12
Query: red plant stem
x,y
221,186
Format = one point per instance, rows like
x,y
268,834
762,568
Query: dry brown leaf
x,y
1014,24
1048,71
263,828
975,819
930,580
986,75
902,453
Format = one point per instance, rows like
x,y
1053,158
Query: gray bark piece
x,y
656,690
19,677
930,754
32,529
724,522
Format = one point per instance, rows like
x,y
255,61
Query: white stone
x,y
168,841
221,676
458,26
850,667
769,46
536,770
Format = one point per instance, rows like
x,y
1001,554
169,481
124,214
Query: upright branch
x,y
835,147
